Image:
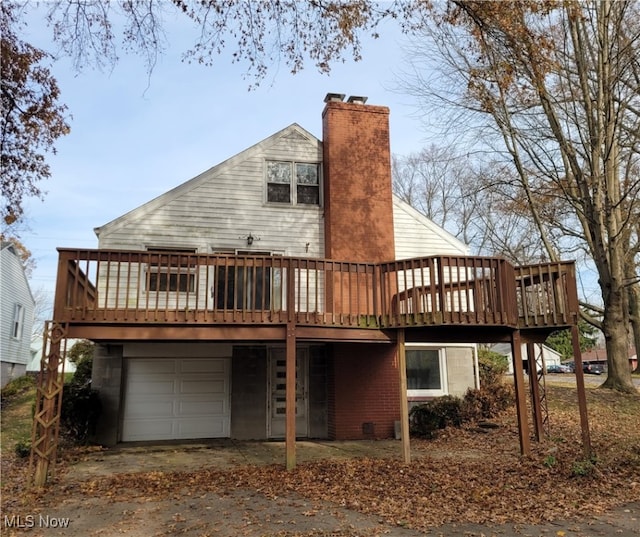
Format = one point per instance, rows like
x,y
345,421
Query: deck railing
x,y
115,286
546,294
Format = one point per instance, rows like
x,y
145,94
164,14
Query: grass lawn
x,y
16,418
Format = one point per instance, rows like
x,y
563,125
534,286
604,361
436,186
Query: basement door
x,y
276,422
176,398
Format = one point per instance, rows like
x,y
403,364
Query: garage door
x,y
176,398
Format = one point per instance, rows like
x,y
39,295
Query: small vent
x,y
368,430
334,97
357,99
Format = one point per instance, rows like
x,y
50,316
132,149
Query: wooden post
x,y
582,396
404,404
290,404
521,400
536,407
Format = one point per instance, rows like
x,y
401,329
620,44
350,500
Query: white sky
x,y
133,138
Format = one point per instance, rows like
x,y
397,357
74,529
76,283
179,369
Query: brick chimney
x,y
357,180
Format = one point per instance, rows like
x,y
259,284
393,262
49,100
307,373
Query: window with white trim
x,y
18,321
426,375
293,183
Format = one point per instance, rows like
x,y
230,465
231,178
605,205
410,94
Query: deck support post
x,y
582,396
46,419
534,385
290,403
404,403
521,400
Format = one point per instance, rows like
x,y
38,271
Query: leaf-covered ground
x,y
468,475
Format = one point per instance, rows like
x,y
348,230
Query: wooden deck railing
x,y
129,287
546,294
449,290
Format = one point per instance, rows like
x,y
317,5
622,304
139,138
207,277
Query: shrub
x,y
436,414
23,449
81,404
81,408
492,367
83,372
486,402
493,396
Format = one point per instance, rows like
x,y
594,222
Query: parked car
x,y
593,369
558,369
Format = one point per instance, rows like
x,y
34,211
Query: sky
x,y
134,137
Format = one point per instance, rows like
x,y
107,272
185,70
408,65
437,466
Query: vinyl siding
x,y
218,209
14,290
416,236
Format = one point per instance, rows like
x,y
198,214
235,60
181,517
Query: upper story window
x,y
295,183
18,321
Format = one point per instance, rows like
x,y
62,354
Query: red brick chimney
x,y
357,181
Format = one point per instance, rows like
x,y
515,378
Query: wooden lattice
x,y
46,420
538,386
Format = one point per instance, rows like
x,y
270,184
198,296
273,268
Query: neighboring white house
x,y
17,307
545,356
36,355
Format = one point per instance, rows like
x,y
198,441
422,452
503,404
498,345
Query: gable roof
x,y
430,224
293,131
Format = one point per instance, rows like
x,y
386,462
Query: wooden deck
x,y
112,294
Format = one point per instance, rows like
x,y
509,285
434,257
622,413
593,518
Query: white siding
x,y
417,236
14,289
218,209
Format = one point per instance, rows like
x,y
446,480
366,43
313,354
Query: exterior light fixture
x,y
249,238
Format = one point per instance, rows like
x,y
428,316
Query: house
x,y
274,199
545,356
16,314
598,356
286,293
37,344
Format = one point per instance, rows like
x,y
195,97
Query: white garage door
x,y
176,398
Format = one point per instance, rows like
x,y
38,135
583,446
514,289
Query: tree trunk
x,y
616,330
634,316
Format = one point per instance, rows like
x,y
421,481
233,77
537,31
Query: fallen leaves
x,y
461,476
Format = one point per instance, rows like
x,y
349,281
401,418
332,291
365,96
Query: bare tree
x,y
449,189
556,86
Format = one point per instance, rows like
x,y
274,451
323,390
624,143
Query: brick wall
x,y
364,392
357,183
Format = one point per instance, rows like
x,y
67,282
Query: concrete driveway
x,y
223,453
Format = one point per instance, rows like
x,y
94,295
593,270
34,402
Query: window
x,y
243,288
295,183
250,288
171,271
18,321
425,372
